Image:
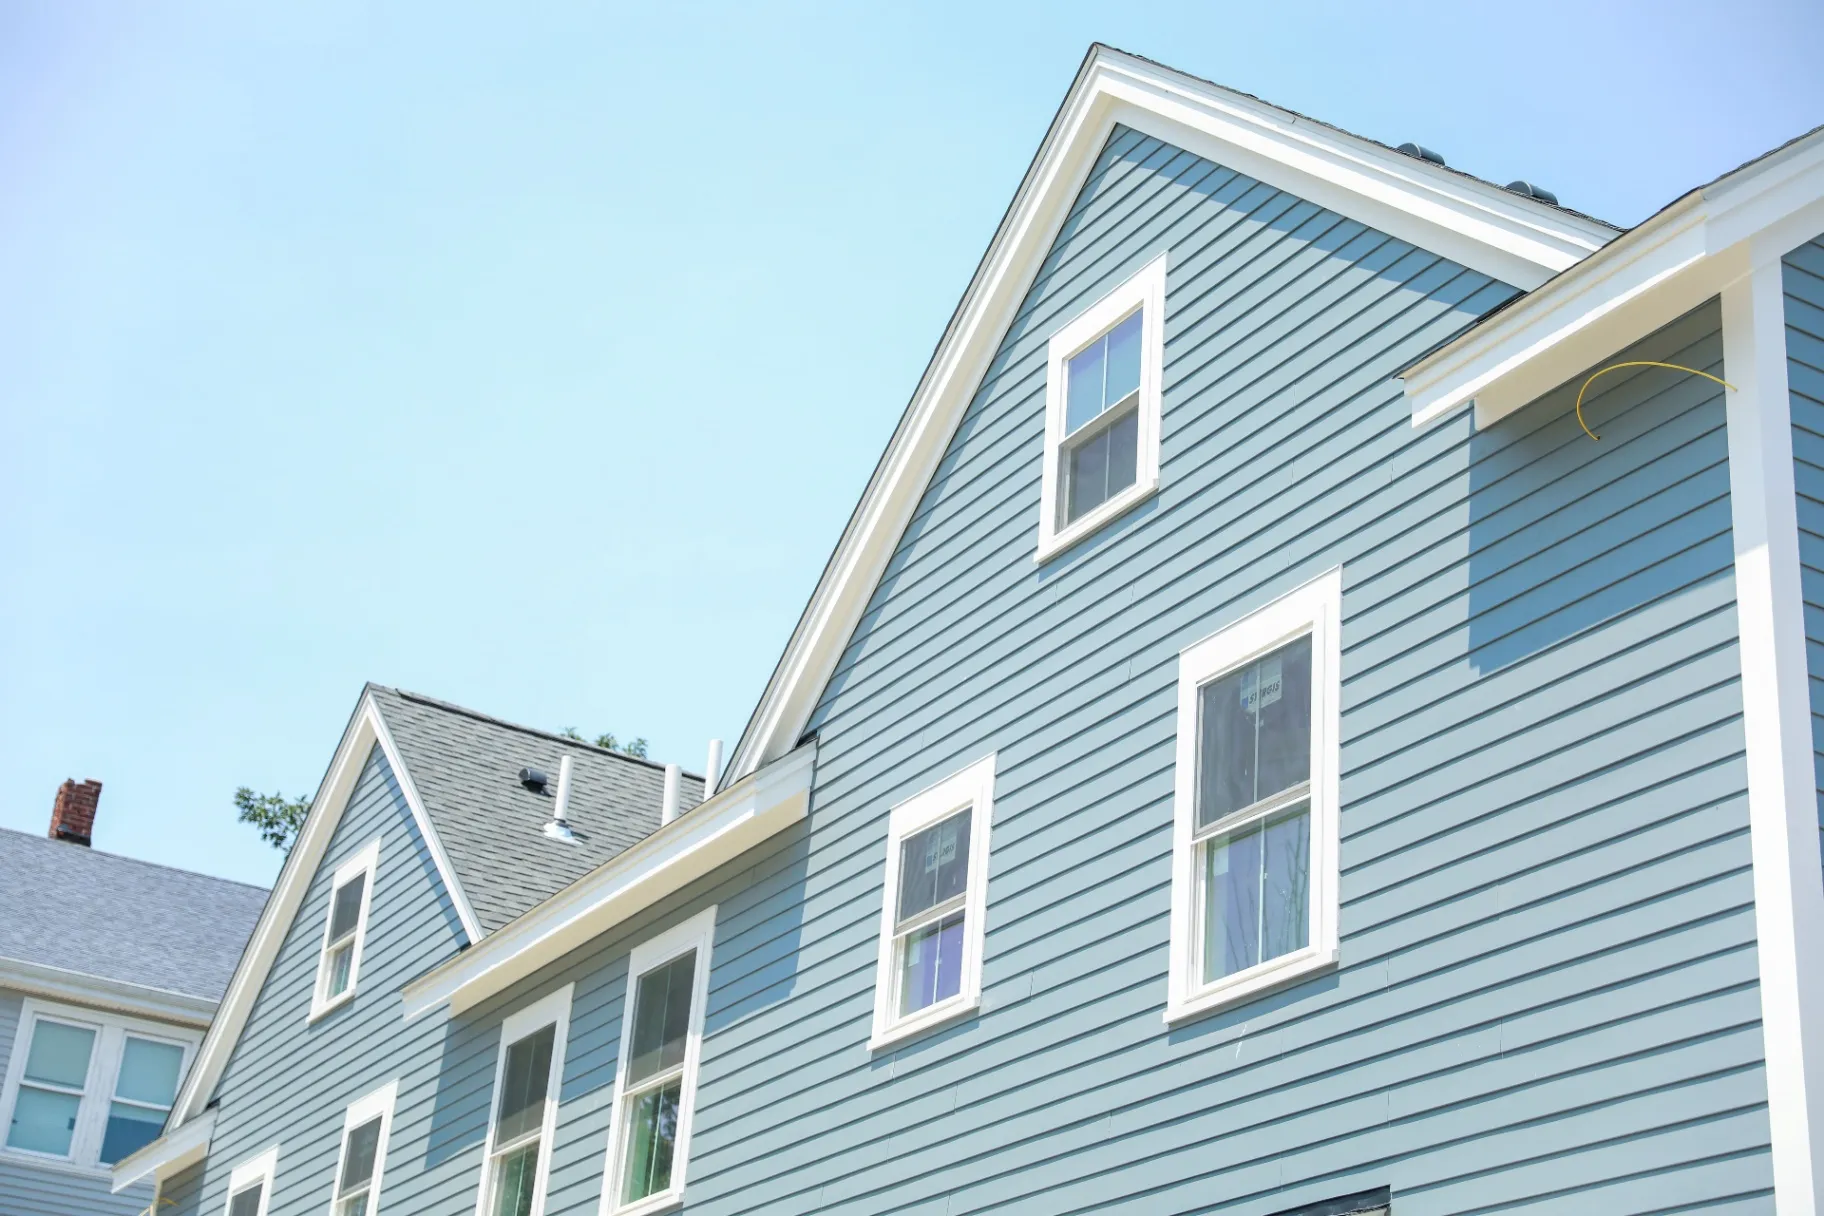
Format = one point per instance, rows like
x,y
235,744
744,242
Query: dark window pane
x,y
358,1159
1256,897
524,1082
247,1202
514,1178
347,911
934,865
652,1137
1123,454
1083,392
1123,360
1086,476
129,1129
661,1017
932,968
1255,732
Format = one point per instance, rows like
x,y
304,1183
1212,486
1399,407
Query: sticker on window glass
x,y
1261,685
941,851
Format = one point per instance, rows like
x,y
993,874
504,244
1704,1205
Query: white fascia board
x,y
364,730
698,841
1665,267
1515,239
175,1150
99,992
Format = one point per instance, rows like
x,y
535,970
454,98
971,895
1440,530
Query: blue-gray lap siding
x,y
288,1080
1547,1000
1803,272
29,1189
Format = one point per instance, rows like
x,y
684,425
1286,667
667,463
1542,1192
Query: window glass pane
x,y
1256,732
661,1017
130,1128
43,1121
934,864
353,1205
1083,385
341,965
1101,466
1256,894
514,1175
148,1071
347,912
358,1157
652,1135
1123,360
247,1202
524,1083
931,968
60,1054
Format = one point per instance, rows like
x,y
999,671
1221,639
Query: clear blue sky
x,y
535,360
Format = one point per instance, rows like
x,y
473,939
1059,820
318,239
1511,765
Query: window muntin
x,y
1254,875
1102,410
523,1109
88,1087
934,902
661,1043
344,930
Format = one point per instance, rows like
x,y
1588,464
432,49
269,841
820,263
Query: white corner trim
x,y
263,1169
697,933
174,1151
1776,712
1143,292
366,864
970,788
552,1009
78,988
1646,278
708,835
1314,609
363,731
1517,240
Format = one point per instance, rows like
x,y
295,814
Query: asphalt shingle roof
x,y
465,766
100,914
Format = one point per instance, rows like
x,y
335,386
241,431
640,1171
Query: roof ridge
x,y
553,736
138,861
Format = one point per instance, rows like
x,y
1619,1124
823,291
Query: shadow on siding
x,y
1566,533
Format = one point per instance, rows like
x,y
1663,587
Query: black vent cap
x,y
533,779
1422,152
1532,191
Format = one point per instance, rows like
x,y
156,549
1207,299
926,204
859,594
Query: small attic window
x,y
339,964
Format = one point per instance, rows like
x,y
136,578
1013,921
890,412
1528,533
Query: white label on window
x,y
1262,685
941,852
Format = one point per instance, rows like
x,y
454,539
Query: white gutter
x,y
175,1150
683,850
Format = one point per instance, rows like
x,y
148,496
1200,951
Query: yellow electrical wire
x,y
1615,367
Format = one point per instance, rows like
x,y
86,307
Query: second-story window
x,y
351,894
655,1087
250,1184
364,1134
1102,410
527,1073
935,902
1254,882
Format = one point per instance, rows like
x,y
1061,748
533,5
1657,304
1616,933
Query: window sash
x,y
1240,818
936,912
658,1080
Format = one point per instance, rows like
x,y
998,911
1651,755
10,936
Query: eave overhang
x,y
174,1151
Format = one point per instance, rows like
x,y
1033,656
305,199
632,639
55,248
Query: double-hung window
x,y
339,966
934,906
1102,410
365,1127
1256,832
86,1087
655,1085
250,1184
526,1077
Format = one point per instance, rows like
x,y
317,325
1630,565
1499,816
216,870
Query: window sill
x,y
651,1205
1054,544
924,1021
54,1164
1244,986
319,1012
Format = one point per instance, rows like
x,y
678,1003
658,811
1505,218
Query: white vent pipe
x,y
712,770
668,803
559,827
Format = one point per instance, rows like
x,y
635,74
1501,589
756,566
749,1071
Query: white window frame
x,y
972,788
1144,292
1314,609
365,863
360,1111
263,1169
699,934
552,1009
111,1031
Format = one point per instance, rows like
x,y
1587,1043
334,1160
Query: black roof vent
x,y
1423,153
533,779
1532,191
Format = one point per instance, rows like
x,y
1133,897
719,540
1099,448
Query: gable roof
x,y
465,767
1512,237
79,911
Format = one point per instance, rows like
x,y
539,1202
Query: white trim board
x,y
1654,273
364,730
78,988
690,846
1516,239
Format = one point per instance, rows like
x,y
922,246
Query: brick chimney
x,y
73,814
